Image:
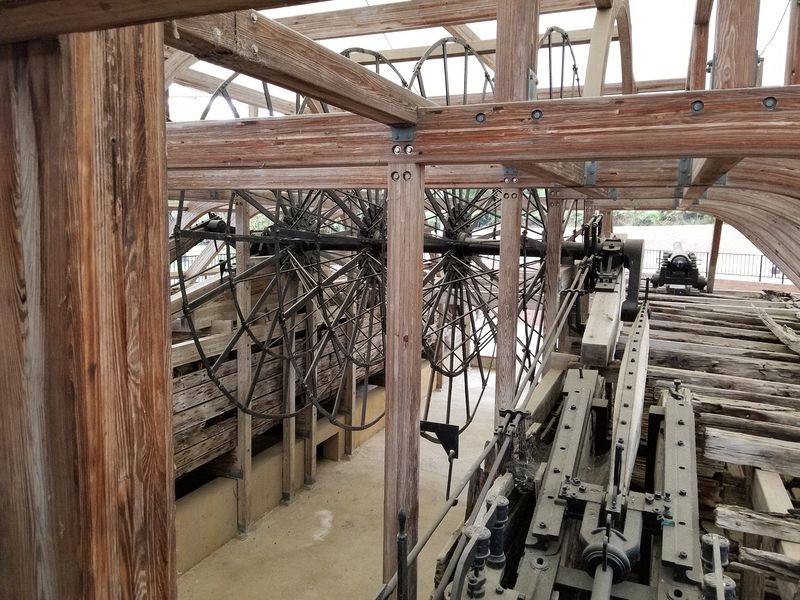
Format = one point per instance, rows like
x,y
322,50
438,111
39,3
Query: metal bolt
x,y
499,589
667,497
542,525
681,422
537,114
770,102
254,49
515,179
556,470
682,554
254,17
395,176
396,150
567,427
573,407
582,488
480,117
507,180
680,442
409,149
682,492
697,106
406,175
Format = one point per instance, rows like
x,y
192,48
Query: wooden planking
x,y
249,43
85,422
783,332
775,564
29,19
631,127
774,525
414,14
752,450
770,495
403,351
778,431
745,409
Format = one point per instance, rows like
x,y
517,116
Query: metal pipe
x,y
603,579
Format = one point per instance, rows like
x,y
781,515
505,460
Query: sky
x,y
661,30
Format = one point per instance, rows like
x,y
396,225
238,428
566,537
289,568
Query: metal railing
x,y
747,267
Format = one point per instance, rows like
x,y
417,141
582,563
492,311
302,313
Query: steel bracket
x,y
590,173
684,172
403,134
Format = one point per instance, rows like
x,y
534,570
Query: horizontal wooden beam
x,y
706,172
774,525
29,19
751,450
249,43
414,14
445,176
625,128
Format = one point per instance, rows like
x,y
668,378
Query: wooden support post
x,y
289,402
517,22
243,454
307,420
86,416
714,255
553,231
793,46
403,359
770,495
607,226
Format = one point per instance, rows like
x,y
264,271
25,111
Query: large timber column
x,y
85,419
517,27
403,358
735,66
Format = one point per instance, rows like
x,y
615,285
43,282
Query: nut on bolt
x,y
409,149
397,150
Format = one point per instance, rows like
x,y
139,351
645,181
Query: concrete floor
x,y
327,543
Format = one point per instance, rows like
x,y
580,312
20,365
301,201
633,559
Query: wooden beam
x,y
793,46
85,422
602,327
734,67
775,564
778,526
706,172
716,238
243,453
289,377
249,43
770,495
403,351
30,19
554,236
752,450
403,16
735,44
517,23
635,127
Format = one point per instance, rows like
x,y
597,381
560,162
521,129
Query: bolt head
x,y
396,149
682,554
409,149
